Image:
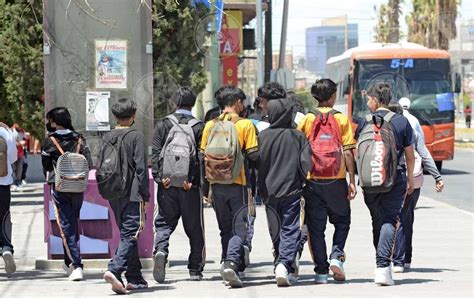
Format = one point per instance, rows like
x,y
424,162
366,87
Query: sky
x,y
309,13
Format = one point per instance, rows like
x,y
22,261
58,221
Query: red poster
x,y
229,70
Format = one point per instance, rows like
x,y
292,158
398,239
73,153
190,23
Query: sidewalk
x,y
442,262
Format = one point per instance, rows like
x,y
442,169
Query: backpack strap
x,y
388,117
174,120
55,142
79,143
193,122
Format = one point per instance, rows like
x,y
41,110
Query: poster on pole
x,y
111,64
97,111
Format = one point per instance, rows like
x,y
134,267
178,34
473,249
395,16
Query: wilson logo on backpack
x,y
71,170
179,151
326,145
377,155
223,155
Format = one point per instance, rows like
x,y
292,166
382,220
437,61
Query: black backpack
x,y
114,172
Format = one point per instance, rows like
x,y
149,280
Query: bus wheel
x,y
439,165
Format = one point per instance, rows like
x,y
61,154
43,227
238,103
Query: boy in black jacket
x,y
175,202
285,160
129,211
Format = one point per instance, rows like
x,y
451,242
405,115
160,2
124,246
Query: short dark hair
x,y
184,97
271,90
382,92
229,95
395,107
61,117
124,108
298,105
218,98
323,89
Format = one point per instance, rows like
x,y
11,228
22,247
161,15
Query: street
x,y
442,263
458,176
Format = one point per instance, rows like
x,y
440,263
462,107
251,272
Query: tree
x,y
381,28
387,28
21,65
178,53
433,28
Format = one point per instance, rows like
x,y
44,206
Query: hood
x,y
280,113
69,135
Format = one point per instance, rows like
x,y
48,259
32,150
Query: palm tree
x,y
394,11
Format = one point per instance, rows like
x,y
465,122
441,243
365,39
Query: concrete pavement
x,y
442,261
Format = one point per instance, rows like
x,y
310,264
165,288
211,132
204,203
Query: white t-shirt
x,y
11,155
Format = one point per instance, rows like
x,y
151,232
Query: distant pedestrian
x,y
327,193
8,156
67,205
123,154
383,138
467,115
285,160
423,162
176,169
226,142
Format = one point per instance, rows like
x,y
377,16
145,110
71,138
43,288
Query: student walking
x,y
285,160
123,158
176,169
226,142
61,148
423,162
382,139
327,193
8,156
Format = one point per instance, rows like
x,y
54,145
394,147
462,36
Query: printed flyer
x,y
111,64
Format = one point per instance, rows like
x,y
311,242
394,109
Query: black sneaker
x,y
195,275
159,270
137,284
231,275
116,282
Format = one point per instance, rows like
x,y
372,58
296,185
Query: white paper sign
x,y
97,111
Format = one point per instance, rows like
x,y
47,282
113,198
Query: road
x,y
458,176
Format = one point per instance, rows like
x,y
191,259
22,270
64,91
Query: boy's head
x,y
396,107
124,110
59,118
298,106
378,95
270,91
324,91
231,97
184,97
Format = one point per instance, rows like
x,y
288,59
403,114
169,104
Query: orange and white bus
x,y
421,74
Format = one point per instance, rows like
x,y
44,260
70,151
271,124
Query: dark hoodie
x,y
285,154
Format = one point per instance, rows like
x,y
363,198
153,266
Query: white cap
x,y
405,102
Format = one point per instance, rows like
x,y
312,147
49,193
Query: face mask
x,y
49,128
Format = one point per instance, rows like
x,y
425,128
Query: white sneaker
x,y
383,276
398,269
281,276
337,268
76,274
10,266
67,269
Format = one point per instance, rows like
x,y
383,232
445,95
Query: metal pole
x,y
260,65
284,26
268,42
215,59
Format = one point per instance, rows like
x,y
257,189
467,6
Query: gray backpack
x,y
179,151
377,156
71,171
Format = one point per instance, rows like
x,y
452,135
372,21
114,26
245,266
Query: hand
x,y
145,205
166,183
187,185
439,186
352,191
410,187
208,200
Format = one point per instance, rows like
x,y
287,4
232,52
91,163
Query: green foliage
x,y
21,65
177,57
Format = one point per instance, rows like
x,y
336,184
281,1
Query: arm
x,y
262,176
11,148
196,168
141,169
349,160
204,182
410,159
46,158
429,164
86,152
157,145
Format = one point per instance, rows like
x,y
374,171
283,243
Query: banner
x,y
229,70
231,36
111,64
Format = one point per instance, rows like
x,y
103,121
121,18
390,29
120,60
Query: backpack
x,y
3,157
223,156
179,151
114,173
326,145
377,157
71,171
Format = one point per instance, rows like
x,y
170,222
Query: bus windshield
x,y
426,82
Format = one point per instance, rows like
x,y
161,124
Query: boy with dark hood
x,y
285,160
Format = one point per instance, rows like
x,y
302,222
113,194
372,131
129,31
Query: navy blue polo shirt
x,y
402,130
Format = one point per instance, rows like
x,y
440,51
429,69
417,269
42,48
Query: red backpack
x,y
326,144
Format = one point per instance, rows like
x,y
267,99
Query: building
x,y
327,41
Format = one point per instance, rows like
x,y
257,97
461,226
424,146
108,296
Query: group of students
x,y
305,169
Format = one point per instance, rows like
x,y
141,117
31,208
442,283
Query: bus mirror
x,y
346,86
457,83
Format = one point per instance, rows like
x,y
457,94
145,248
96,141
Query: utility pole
x,y
214,59
284,27
268,41
260,65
